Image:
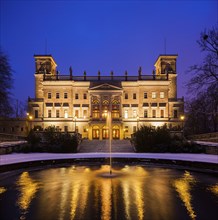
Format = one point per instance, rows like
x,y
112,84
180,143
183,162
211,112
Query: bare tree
x,y
6,83
206,73
202,112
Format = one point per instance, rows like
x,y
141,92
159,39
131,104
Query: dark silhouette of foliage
x,y
206,73
6,83
52,140
149,139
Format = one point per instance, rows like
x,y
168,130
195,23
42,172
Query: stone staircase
x,y
88,146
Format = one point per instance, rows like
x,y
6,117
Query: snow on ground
x,y
21,157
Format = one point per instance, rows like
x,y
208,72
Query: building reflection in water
x,y
2,190
84,193
183,186
28,188
214,189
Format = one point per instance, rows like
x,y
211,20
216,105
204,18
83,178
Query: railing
x,y
176,99
35,99
104,78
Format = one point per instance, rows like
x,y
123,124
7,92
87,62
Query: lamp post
x,y
87,133
29,118
75,117
182,117
137,122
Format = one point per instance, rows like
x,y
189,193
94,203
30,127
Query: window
x,y
21,129
12,129
134,114
84,96
145,95
65,114
65,95
49,95
175,114
84,113
153,95
36,113
134,129
162,113
57,95
76,96
77,113
154,113
126,129
57,113
126,114
126,95
49,113
95,114
162,95
145,113
134,96
65,128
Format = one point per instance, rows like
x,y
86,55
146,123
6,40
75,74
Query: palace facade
x,y
84,103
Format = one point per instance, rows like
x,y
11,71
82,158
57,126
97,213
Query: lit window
x,y
145,95
162,95
76,96
134,96
154,113
57,95
65,95
126,95
57,113
84,113
134,114
145,113
95,114
49,95
49,113
77,113
84,96
153,95
126,114
65,114
162,113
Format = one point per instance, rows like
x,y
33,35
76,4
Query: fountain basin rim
x,y
21,161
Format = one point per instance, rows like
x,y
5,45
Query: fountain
x,y
78,192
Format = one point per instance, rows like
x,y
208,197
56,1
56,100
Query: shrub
x,y
148,139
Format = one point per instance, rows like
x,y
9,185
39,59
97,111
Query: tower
x,y
44,65
166,65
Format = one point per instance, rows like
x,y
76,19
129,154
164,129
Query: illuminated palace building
x,y
83,103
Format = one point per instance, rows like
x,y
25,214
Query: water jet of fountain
x,y
109,125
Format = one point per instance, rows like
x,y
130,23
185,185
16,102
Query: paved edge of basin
x,y
199,161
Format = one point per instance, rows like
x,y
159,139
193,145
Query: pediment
x,y
105,86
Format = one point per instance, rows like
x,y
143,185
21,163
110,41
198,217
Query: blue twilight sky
x,y
102,35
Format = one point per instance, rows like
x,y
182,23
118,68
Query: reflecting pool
x,y
83,192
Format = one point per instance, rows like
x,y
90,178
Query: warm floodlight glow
x,y
157,124
182,117
30,117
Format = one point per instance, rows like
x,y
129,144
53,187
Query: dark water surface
x,y
81,192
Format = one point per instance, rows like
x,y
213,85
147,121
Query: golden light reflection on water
x,y
133,188
183,187
105,191
214,189
2,190
28,188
